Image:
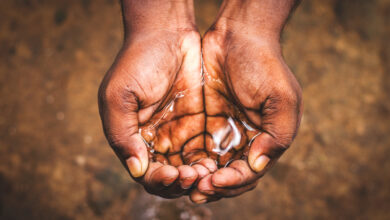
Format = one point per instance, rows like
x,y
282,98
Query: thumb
x,y
280,123
135,155
120,125
264,149
129,147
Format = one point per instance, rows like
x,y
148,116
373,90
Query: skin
x,y
155,61
245,77
242,49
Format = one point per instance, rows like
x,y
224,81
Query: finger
x,y
201,170
135,154
237,174
205,186
209,163
200,198
160,176
205,166
163,180
281,113
264,149
120,123
235,192
188,176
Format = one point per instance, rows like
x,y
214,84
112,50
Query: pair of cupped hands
x,y
232,65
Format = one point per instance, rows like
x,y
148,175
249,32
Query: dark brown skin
x,y
242,48
161,56
155,61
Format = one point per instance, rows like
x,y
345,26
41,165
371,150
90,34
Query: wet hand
x,y
244,65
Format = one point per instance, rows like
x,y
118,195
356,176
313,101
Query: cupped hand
x,y
249,72
148,72
163,117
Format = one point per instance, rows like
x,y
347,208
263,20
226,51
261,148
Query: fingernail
x,y
184,185
135,167
167,182
260,163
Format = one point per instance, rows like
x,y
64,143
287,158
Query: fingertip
x,y
187,171
201,170
135,167
205,186
171,174
144,164
254,151
219,179
198,197
226,177
188,175
138,160
210,164
164,175
143,156
262,150
260,163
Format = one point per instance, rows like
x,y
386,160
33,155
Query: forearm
x,y
145,15
260,17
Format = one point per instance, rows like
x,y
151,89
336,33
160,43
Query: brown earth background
x,y
56,164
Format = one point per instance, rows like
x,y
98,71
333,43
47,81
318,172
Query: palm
x,y
252,78
169,121
175,116
196,118
148,73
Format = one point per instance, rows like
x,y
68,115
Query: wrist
x,y
154,15
260,18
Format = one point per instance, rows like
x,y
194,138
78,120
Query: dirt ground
x,y
56,164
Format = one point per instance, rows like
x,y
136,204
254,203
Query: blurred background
x,y
56,164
